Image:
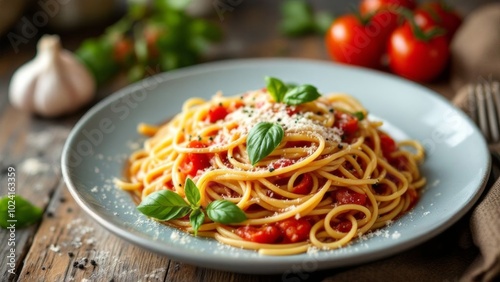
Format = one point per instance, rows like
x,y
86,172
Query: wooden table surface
x,y
67,245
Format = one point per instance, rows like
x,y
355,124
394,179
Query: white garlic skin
x,y
54,83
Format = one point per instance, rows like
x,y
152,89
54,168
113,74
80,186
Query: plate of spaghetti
x,y
269,165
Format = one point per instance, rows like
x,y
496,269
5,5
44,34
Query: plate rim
x,y
159,247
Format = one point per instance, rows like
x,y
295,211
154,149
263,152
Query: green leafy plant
x,y
264,137
298,18
291,94
16,210
167,205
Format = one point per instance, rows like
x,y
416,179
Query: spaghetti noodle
x,y
334,176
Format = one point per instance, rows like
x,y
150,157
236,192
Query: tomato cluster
x,y
415,40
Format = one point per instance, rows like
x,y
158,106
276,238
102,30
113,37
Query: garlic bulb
x,y
53,83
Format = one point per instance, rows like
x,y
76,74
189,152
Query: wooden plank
x,y
68,242
34,153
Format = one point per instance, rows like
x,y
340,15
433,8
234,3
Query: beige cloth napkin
x,y
468,251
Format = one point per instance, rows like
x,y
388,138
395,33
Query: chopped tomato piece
x,y
225,159
346,196
343,226
236,105
292,110
266,234
399,162
195,161
347,122
196,144
413,198
282,163
304,186
294,230
387,145
217,113
169,185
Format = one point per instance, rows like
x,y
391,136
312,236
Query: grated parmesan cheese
x,y
258,108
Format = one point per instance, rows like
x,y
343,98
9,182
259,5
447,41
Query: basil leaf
x,y
14,207
300,95
164,205
225,212
276,88
192,192
196,218
359,115
262,139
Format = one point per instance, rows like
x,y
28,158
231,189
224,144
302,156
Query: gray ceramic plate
x,y
456,167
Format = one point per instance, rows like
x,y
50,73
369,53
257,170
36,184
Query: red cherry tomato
x,y
424,19
346,196
217,113
370,6
304,186
350,41
294,230
266,234
435,14
417,59
195,162
386,10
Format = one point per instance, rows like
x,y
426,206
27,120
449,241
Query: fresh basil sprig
x,y
23,214
166,205
262,139
291,94
276,88
196,218
192,193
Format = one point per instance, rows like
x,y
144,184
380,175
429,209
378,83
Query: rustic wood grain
x,y
37,170
69,246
